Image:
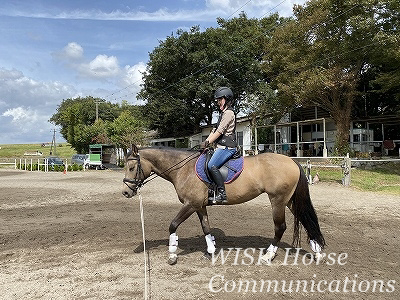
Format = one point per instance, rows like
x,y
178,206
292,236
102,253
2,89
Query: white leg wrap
x,y
173,242
315,246
210,243
272,248
270,255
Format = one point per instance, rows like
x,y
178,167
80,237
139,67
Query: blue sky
x,y
52,50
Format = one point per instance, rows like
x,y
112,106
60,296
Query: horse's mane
x,y
165,149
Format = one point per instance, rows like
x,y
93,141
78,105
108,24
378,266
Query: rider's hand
x,y
204,144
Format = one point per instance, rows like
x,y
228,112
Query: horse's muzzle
x,y
130,188
129,192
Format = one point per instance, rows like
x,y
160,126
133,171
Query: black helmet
x,y
224,92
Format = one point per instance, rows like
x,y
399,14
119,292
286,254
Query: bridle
x,y
139,179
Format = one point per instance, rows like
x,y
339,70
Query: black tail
x,y
304,213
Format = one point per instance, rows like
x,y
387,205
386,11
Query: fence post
x,y
309,177
346,168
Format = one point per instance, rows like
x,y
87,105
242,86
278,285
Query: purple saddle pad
x,y
230,170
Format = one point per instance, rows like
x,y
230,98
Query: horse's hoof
x,y
318,257
268,257
173,259
207,255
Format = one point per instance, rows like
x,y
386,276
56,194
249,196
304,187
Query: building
x,y
305,132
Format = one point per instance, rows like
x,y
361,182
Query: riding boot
x,y
220,197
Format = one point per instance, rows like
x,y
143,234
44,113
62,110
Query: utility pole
x,y
53,142
97,109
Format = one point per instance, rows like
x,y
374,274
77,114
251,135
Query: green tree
x,y
90,134
185,69
77,116
320,57
126,130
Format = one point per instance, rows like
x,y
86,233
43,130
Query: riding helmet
x,y
224,92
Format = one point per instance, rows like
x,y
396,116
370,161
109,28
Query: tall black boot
x,y
220,197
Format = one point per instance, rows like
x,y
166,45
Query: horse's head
x,y
136,171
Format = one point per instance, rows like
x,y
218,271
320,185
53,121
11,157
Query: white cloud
x,y
102,66
212,9
133,74
21,114
219,3
19,90
73,51
26,105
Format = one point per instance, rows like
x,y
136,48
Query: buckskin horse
x,y
279,176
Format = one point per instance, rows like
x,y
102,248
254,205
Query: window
x,y
239,138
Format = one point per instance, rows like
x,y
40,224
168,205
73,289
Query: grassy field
x,y
63,150
385,180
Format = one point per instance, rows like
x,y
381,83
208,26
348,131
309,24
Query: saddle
x,y
229,171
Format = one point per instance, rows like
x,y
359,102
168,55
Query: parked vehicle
x,y
54,161
93,161
78,159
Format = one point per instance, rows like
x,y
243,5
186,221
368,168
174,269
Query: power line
x,y
210,64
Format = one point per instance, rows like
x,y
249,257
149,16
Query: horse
x,y
278,175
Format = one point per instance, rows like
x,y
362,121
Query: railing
x,y
345,164
29,164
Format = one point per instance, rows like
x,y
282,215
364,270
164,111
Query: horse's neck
x,y
163,161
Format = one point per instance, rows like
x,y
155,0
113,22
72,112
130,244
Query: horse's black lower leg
x,y
203,217
185,212
278,215
210,240
279,230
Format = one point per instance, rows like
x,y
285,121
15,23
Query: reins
x,y
140,182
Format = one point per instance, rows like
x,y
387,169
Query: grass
x,y
64,150
384,179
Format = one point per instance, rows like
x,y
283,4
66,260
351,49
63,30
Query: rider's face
x,y
221,103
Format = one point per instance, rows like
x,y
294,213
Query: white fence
x,y
29,164
344,163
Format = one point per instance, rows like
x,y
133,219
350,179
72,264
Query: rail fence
x,y
339,168
31,164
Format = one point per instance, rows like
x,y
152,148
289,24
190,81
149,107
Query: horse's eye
x,y
131,169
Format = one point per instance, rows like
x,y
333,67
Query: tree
x,y
186,68
77,118
320,57
126,130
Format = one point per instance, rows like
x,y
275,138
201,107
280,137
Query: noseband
x,y
137,181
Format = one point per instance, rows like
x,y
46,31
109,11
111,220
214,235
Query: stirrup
x,y
217,199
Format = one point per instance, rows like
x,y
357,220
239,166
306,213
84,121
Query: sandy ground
x,y
74,236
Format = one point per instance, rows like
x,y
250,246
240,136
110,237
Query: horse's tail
x,y
304,213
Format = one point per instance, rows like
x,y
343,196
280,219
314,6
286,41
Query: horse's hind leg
x,y
210,240
278,215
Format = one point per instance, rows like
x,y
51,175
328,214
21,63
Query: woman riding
x,y
224,135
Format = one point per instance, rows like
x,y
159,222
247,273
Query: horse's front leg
x,y
186,211
210,240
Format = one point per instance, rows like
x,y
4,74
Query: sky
x,y
52,50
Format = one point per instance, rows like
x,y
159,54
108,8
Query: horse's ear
x,y
134,149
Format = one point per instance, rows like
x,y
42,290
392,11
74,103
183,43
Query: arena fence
x,y
31,164
339,168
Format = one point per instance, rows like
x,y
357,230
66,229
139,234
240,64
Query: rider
x,y
224,135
